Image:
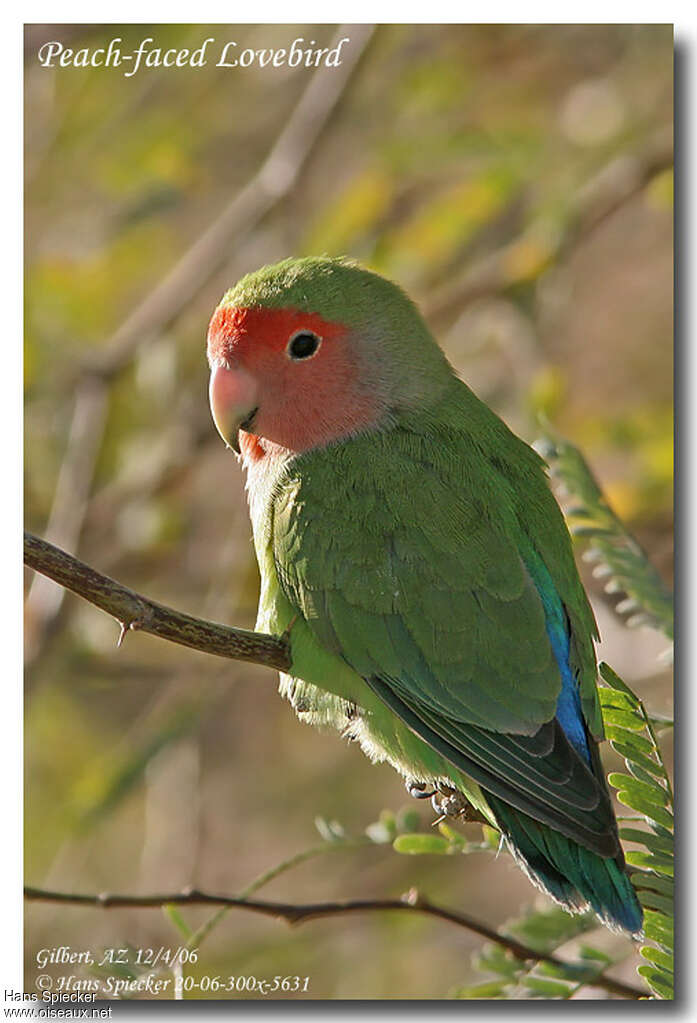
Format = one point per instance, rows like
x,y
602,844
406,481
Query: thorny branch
x,y
298,914
134,611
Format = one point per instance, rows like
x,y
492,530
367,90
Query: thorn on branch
x,y
412,897
132,626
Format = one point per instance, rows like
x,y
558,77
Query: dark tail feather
x,y
573,876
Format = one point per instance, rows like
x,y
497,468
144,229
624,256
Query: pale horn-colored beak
x,y
232,394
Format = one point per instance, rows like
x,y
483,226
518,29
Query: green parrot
x,y
410,547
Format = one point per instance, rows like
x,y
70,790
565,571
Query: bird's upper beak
x,y
233,399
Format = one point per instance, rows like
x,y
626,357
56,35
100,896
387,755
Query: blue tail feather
x,y
573,876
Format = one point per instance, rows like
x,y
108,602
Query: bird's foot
x,y
450,802
419,789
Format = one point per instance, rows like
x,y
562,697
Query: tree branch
x,y
134,611
298,914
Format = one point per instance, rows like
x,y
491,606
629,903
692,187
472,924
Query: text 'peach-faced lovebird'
x,y
410,545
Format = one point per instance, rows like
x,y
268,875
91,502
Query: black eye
x,y
303,345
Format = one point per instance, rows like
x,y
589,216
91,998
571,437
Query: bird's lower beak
x,y
233,399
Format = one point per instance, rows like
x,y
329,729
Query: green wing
x,y
390,551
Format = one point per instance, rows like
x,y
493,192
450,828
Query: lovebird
x,y
412,551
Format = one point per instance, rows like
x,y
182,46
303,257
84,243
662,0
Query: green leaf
x,y
628,738
453,836
652,900
547,988
659,929
662,832
639,773
651,841
623,719
491,837
658,980
610,544
641,790
615,698
592,532
656,813
407,820
648,798
546,929
658,957
650,861
419,845
635,756
573,972
655,882
498,959
489,989
595,954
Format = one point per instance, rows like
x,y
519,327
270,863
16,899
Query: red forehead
x,y
267,329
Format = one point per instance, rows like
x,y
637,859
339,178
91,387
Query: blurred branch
x,y
71,495
272,183
135,611
297,914
613,186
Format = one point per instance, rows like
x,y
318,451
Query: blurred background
x,y
517,181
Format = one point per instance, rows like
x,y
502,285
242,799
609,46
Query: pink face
x,y
287,376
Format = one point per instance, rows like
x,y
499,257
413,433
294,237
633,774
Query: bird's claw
x,y
418,789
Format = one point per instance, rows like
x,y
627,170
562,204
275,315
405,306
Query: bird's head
x,y
311,351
